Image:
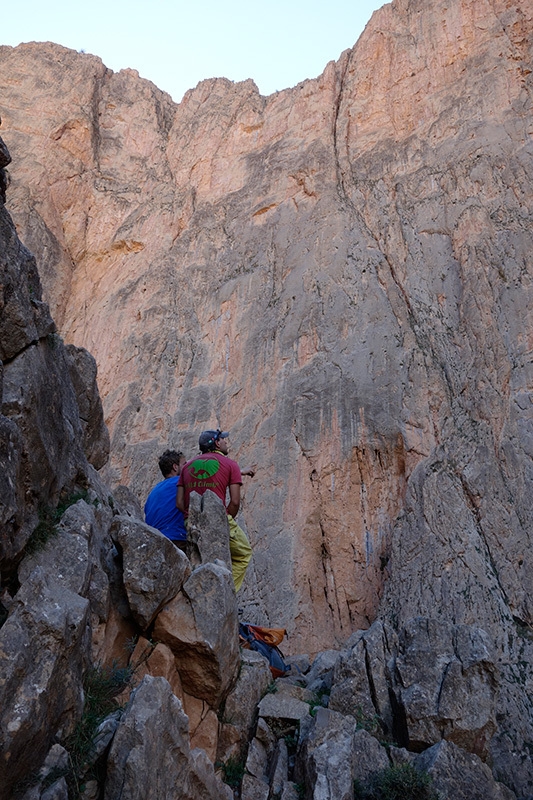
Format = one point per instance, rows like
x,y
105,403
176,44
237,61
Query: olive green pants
x,y
240,551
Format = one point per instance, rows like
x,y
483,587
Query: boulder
x,y
279,769
240,707
44,648
57,791
126,503
460,775
65,555
283,706
203,725
208,528
433,680
38,397
254,788
200,627
447,680
150,757
320,675
156,660
16,518
154,569
257,760
83,370
364,676
24,318
335,753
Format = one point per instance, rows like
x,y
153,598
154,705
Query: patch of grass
x,y
401,782
44,531
369,722
101,686
316,702
233,772
48,519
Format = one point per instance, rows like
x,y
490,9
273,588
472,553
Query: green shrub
x,y
101,686
370,723
233,771
45,529
48,519
401,782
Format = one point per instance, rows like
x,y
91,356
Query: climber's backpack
x,y
265,641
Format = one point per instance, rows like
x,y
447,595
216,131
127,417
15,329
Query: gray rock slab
x,y
152,740
441,694
327,757
283,706
208,527
44,648
280,768
460,775
350,692
200,626
240,706
65,556
154,569
57,791
257,759
83,371
254,788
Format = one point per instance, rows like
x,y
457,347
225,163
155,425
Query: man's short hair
x,y
208,440
168,459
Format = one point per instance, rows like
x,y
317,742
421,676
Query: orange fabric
x,y
272,636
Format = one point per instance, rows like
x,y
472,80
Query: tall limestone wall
x,y
93,600
340,274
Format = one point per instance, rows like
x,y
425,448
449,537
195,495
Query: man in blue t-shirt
x,y
160,508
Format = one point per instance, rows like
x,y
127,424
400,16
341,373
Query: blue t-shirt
x,y
160,510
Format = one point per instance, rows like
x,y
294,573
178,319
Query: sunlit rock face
x,y
340,274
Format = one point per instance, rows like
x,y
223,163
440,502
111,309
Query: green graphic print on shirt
x,y
204,468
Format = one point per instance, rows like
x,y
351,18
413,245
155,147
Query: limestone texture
x,y
40,696
153,568
152,741
200,627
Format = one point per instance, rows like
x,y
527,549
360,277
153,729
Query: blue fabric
x,y
160,510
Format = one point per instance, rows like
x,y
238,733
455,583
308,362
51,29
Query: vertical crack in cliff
x,y
370,679
96,99
479,527
336,113
325,559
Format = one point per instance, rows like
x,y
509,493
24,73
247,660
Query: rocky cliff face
x,y
341,275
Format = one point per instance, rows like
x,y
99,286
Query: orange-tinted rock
x,y
156,660
112,640
203,725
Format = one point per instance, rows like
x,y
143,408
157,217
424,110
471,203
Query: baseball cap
x,y
208,438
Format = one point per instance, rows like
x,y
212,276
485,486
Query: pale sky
x,y
176,43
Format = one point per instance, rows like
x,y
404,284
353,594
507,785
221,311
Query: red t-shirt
x,y
213,471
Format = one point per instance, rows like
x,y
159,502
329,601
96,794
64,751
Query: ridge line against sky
x,y
175,45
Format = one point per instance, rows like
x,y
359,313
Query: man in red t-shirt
x,y
212,469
